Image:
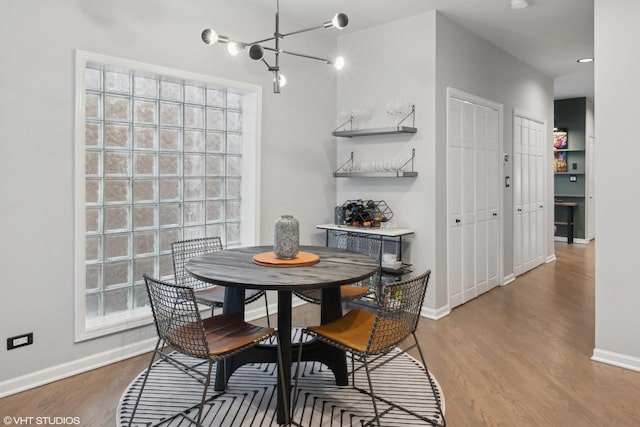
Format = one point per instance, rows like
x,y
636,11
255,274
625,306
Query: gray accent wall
x,y
572,115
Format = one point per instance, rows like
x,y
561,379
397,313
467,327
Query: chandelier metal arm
x,y
263,40
304,30
267,64
304,55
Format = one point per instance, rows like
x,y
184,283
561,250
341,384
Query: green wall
x,y
571,114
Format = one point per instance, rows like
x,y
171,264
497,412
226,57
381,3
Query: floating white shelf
x,y
374,131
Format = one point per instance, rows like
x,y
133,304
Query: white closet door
x,y
473,199
482,207
540,194
468,201
518,259
454,208
494,179
528,193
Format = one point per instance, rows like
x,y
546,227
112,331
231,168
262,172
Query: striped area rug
x,y
250,399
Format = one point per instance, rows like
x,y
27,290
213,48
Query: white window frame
x,y
251,155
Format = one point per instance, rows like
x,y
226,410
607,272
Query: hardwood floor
x,y
518,355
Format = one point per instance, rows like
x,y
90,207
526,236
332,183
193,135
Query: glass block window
x,y
163,161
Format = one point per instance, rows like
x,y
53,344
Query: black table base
x,y
314,350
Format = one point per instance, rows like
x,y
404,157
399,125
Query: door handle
x,y
495,214
519,210
541,206
457,220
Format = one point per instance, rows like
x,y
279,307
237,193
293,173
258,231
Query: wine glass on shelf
x,y
392,107
360,117
398,109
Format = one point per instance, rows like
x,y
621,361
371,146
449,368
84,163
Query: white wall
x,y
473,65
37,43
617,204
389,61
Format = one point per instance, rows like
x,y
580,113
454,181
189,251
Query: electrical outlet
x,y
19,341
573,178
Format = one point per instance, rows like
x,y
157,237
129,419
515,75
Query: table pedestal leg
x,y
335,359
284,335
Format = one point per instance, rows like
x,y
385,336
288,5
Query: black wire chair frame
x,y
183,250
396,319
354,243
179,325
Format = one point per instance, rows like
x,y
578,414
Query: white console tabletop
x,y
385,232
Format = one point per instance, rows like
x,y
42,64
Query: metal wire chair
x,y
354,243
206,293
368,336
179,325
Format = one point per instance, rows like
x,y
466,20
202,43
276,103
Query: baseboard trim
x,y
508,279
575,240
435,314
616,359
74,367
85,364
550,258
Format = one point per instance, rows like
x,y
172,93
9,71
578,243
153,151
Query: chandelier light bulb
x,y
519,4
256,52
282,80
339,63
340,21
209,36
234,48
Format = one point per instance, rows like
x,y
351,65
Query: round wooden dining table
x,y
236,270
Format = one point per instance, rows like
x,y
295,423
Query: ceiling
x,y
549,35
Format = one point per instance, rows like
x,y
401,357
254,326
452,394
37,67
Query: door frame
x,y
539,119
474,99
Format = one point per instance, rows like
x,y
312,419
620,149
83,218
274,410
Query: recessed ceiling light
x,y
519,4
585,60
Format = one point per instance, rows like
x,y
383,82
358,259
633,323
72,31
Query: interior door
x,y
473,182
528,193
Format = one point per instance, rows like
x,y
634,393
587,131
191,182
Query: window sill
x,y
117,322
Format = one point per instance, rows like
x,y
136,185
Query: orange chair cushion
x,y
352,330
226,332
353,292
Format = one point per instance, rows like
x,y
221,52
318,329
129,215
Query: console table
x,y
569,222
384,234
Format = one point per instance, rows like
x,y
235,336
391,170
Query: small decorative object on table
x,y
286,237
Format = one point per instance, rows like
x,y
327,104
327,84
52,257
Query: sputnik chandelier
x,y
257,49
